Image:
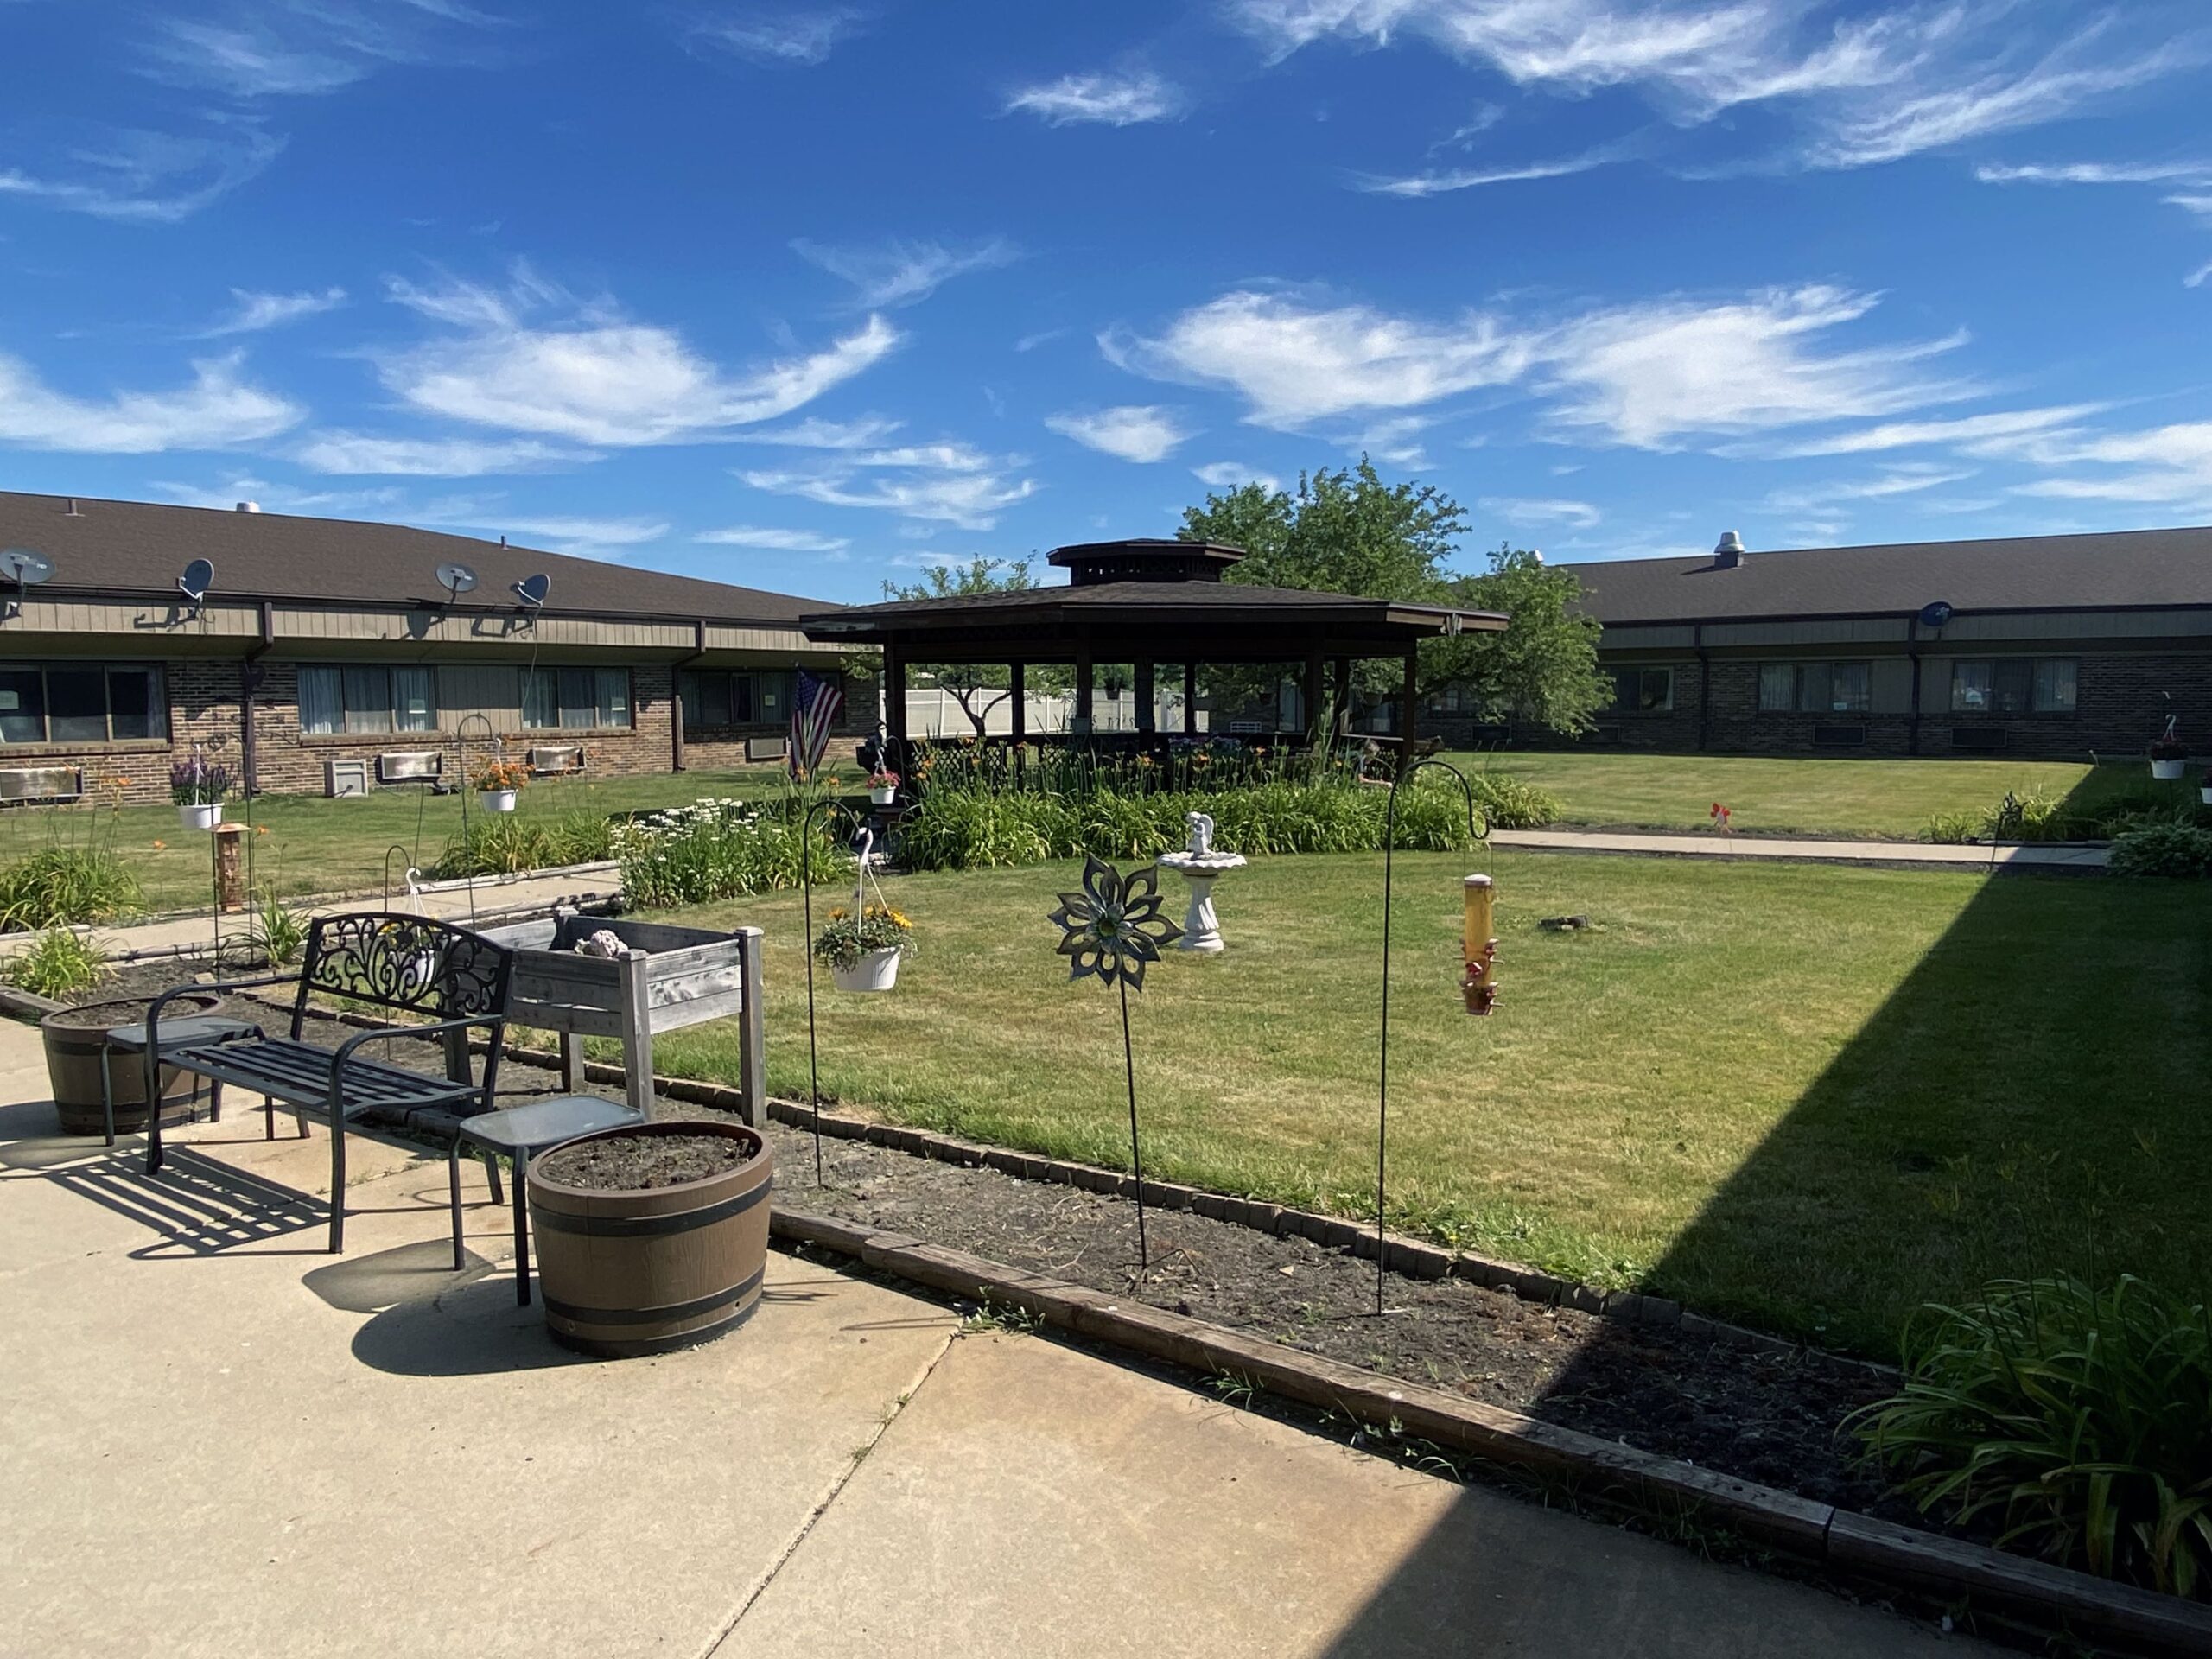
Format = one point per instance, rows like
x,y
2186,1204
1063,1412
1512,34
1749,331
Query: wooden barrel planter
x,y
635,1255
76,1037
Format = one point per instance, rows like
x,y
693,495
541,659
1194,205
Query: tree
x,y
1543,669
971,684
1344,531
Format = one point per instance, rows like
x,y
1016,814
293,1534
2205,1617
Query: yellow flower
x,y
899,917
836,915
160,844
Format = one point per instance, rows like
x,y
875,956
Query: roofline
x,y
1894,614
401,606
1752,556
1354,607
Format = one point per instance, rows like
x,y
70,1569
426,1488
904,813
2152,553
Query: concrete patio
x,y
222,1441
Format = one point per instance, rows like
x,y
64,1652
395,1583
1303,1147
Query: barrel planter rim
x,y
597,1226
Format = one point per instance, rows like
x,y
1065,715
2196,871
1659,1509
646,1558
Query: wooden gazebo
x,y
1144,602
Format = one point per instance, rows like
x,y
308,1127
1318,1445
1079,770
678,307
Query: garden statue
x,y
1201,867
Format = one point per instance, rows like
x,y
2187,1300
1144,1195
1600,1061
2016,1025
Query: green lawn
x,y
314,845
1889,799
1810,1098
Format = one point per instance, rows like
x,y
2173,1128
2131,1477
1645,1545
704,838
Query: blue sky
x,y
805,296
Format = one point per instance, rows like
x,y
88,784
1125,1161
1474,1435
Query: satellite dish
x,y
24,568
1934,615
532,590
456,579
199,576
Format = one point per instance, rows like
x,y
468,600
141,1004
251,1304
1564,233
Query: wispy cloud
x,y
143,177
583,535
1468,178
2098,173
1138,432
294,48
942,482
590,375
904,273
356,453
773,36
252,312
1964,429
1903,479
2165,466
779,540
1233,476
815,433
1108,99
1533,512
217,410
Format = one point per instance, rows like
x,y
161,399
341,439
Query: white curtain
x,y
321,708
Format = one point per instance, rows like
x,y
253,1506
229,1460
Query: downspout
x,y
251,675
676,694
1704,684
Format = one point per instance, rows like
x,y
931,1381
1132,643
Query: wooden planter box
x,y
684,976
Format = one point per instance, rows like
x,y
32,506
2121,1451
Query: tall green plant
x,y
59,962
62,886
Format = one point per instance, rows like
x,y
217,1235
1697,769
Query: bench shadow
x,y
197,1205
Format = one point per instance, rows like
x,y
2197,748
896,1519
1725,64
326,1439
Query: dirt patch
x,y
641,1163
100,1007
142,981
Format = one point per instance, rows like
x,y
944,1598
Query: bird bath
x,y
1202,866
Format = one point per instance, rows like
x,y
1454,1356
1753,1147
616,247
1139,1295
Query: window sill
x,y
91,745
434,740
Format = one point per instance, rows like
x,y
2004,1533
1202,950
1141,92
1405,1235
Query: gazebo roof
x,y
1178,610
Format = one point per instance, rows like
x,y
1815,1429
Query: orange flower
x,y
260,829
159,845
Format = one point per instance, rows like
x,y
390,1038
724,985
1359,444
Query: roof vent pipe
x,y
1729,552
248,507
72,512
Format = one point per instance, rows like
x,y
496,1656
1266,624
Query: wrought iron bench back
x,y
406,963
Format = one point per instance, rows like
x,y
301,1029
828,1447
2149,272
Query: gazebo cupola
x,y
1146,558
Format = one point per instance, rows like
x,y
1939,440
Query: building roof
x,y
2102,571
138,548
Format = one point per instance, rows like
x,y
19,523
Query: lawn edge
x,y
1842,1540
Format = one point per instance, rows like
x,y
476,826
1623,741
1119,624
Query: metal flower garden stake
x,y
1112,929
1478,951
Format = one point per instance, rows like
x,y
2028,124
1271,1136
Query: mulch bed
x,y
1771,1417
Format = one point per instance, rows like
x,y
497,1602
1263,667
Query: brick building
x,y
327,653
2047,646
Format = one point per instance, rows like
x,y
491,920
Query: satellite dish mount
x,y
532,591
26,570
199,576
457,579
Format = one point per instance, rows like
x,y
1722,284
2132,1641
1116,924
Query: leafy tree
x,y
977,687
1543,669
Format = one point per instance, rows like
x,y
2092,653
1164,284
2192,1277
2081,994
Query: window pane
x,y
742,700
1970,688
368,698
1852,691
613,699
2055,688
541,709
2014,681
76,705
22,706
321,707
414,709
768,697
1655,688
133,702
687,693
1777,688
1813,681
576,691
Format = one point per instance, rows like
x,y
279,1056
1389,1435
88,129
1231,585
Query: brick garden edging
x,y
1841,1540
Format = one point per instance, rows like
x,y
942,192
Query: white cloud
x,y
2201,206
1394,442
1233,476
1530,511
146,177
1116,100
594,377
2165,466
815,433
904,273
1139,432
969,501
779,541
301,48
1902,479
360,453
217,410
2098,173
795,37
1295,362
584,535
1468,178
1966,429
251,312
2196,278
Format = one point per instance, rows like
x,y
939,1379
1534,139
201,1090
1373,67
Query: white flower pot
x,y
200,817
2204,794
884,796
876,971
497,800
2168,770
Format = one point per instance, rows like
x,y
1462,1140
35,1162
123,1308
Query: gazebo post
x,y
1312,692
1190,699
1017,682
1148,714
1082,691
895,698
1408,714
1340,693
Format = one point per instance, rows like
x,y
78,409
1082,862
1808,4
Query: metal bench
x,y
406,963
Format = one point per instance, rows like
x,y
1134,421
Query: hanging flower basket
x,y
197,787
497,800
875,970
862,948
201,815
882,786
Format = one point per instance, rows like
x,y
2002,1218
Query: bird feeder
x,y
1478,946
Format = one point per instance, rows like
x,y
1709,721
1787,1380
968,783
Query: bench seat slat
x,y
294,1072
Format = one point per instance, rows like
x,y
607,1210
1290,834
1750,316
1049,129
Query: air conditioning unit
x,y
766,748
344,778
1839,737
551,762
412,767
41,783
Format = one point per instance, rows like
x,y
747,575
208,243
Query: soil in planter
x,y
639,1163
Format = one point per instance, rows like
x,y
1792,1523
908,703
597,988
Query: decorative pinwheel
x,y
1112,929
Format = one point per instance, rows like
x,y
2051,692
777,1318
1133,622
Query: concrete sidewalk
x,y
221,1441
2058,855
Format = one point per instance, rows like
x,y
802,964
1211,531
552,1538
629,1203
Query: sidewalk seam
x,y
830,1495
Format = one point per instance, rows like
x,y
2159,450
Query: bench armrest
x,y
383,1033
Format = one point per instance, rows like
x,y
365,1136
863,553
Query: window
x,y
1643,690
1816,688
367,699
574,699
720,696
2014,685
79,702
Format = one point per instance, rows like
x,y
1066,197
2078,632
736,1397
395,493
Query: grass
x,y
304,843
1807,1096
1883,799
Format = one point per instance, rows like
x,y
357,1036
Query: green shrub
x,y
720,849
2081,1419
1952,828
59,963
506,843
62,885
2180,849
1506,802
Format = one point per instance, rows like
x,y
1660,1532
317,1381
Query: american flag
x,y
817,701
